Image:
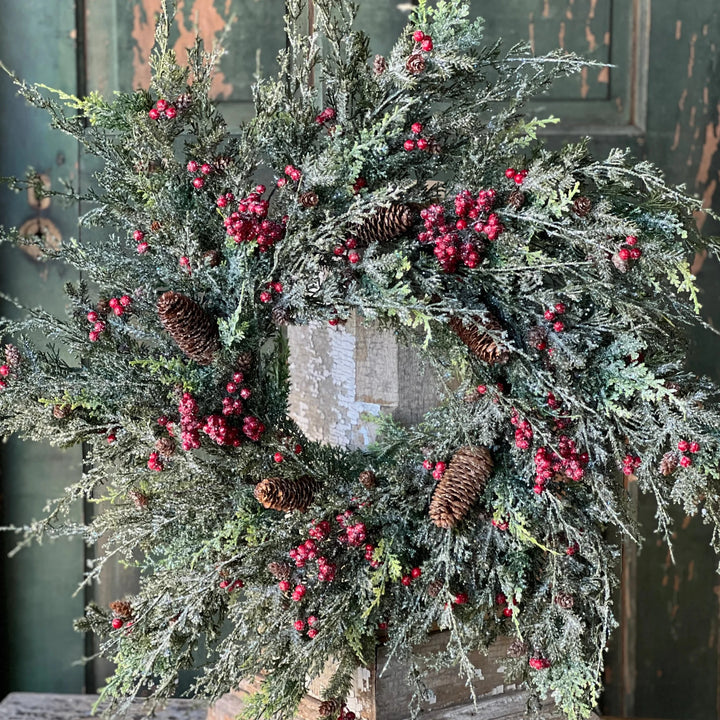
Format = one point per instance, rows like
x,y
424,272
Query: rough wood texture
x,y
41,706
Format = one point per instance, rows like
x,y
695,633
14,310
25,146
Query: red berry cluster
x,y
312,620
266,295
455,242
218,428
162,109
359,184
501,600
517,176
327,115
539,663
231,585
155,462
225,199
438,468
252,427
630,464
299,592
523,431
320,530
205,169
353,256
629,250
302,553
354,534
421,143
685,446
414,574
119,305
292,172
189,423
501,525
425,41
568,462
551,315
98,326
234,406
250,221
326,570
370,556
139,238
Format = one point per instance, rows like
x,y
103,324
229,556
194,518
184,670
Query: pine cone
x,y
194,330
329,707
139,499
517,649
582,206
379,64
12,356
155,225
244,361
434,588
460,486
669,463
281,315
537,337
285,494
122,609
212,257
385,224
165,446
62,411
222,163
516,199
564,600
368,479
280,570
415,64
183,102
481,344
309,199
620,264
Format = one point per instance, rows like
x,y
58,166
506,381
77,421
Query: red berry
x,y
510,173
4,370
170,113
560,308
461,599
198,182
500,599
161,104
142,248
694,447
685,461
549,315
245,393
353,257
238,377
428,464
409,145
221,202
92,316
281,182
125,300
311,620
117,623
205,169
508,612
482,389
427,44
111,438
418,36
406,580
558,326
278,457
635,253
277,287
284,585
624,254
572,549
422,144
298,449
416,128
683,446
223,584
192,166
153,114
231,388
265,297
339,250
299,625
184,260
518,178
351,243
440,467
312,632
113,302
631,240
416,572
93,335
138,236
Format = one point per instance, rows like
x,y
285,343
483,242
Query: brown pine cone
x,y
329,707
281,315
415,64
183,101
309,199
165,446
669,463
516,199
368,479
379,64
280,570
285,494
194,331
517,649
434,588
139,499
460,486
537,337
155,225
12,356
564,600
244,361
222,163
481,344
62,411
212,257
582,206
122,609
386,223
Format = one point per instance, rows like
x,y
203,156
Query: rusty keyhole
x,y
39,226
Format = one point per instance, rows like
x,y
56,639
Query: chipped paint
x,y
561,36
712,142
604,75
593,6
546,9
210,25
691,61
606,39
678,29
683,98
584,84
590,37
531,32
676,137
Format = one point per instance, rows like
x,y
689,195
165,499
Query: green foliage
x,y
172,461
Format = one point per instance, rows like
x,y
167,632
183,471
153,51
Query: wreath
x,y
549,290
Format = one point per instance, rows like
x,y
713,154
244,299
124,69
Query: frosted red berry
x,y
624,254
284,585
192,166
92,316
353,257
427,44
510,173
683,445
153,114
265,297
500,599
508,612
298,449
138,235
142,248
558,326
415,573
428,464
198,183
461,599
170,113
117,623
694,447
278,457
406,580
299,625
422,144
418,36
685,461
416,128
409,145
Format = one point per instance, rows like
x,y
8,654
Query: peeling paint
x,y
546,9
591,41
561,36
584,85
691,61
691,570
676,137
693,113
712,142
678,29
593,6
531,32
606,38
604,75
683,98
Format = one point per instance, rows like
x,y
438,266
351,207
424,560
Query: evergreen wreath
x,y
549,290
